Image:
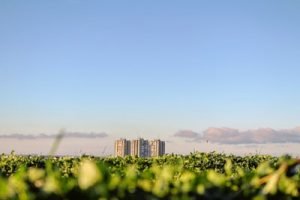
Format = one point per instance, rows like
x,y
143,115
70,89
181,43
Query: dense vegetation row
x,y
194,176
196,162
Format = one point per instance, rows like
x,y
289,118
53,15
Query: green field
x,y
194,176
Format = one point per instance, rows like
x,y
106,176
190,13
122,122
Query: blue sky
x,y
148,67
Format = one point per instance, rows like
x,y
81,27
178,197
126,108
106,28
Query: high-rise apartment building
x,y
157,148
139,147
122,147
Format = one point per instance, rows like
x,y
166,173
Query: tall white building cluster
x,y
139,147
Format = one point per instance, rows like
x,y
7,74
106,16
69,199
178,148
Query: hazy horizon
x,y
221,140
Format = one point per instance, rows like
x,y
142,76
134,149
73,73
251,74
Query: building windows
x,y
139,147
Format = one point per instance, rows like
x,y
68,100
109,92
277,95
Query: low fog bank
x,y
275,149
105,147
68,146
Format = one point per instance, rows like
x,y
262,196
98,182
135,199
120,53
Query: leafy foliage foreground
x,y
195,176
